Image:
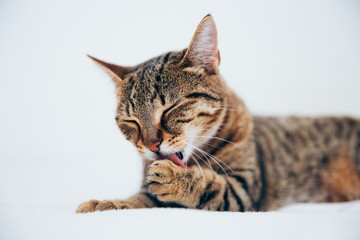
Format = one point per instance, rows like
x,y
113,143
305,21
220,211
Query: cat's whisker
x,y
225,106
219,161
229,109
211,157
209,165
198,164
222,139
202,173
204,162
202,129
203,142
216,161
211,154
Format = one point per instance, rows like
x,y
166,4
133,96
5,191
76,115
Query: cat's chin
x,y
175,158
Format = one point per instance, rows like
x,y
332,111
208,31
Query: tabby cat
x,y
203,149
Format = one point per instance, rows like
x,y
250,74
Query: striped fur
x,y
237,162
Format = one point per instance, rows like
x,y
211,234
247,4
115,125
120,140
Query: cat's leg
x,y
140,200
196,188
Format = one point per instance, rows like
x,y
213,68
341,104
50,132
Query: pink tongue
x,y
177,161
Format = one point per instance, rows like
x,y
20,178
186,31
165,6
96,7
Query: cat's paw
x,y
88,206
165,180
94,205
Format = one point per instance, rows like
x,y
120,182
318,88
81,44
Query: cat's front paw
x,y
166,180
95,205
88,206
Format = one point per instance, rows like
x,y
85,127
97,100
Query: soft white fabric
x,y
58,221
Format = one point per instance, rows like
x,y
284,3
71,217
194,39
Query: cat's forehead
x,y
160,77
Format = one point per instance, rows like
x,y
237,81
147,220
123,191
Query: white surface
x,y
55,221
59,144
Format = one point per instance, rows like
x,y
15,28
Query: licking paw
x,y
166,180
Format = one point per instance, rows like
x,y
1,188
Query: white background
x,y
58,138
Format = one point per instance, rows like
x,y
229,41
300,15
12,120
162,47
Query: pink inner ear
x,y
218,57
203,51
114,69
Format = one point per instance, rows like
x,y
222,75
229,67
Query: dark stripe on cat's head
x,y
202,95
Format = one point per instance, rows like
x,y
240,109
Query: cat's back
x,y
302,155
313,133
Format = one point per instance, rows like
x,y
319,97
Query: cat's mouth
x,y
175,158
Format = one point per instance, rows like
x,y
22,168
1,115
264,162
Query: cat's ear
x,y
116,72
203,51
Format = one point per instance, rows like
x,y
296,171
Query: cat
x,y
204,150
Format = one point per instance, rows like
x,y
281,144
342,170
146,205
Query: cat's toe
x,y
123,204
161,179
105,205
160,172
88,206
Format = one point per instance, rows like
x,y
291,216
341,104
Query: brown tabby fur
x,y
247,163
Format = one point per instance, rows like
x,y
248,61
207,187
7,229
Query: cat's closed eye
x,y
130,128
133,123
184,120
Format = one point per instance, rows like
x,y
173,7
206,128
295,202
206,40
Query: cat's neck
x,y
236,128
237,124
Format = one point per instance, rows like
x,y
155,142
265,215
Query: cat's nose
x,y
154,146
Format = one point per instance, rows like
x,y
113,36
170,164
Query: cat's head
x,y
171,105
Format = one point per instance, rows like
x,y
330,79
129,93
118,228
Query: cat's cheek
x,y
193,129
